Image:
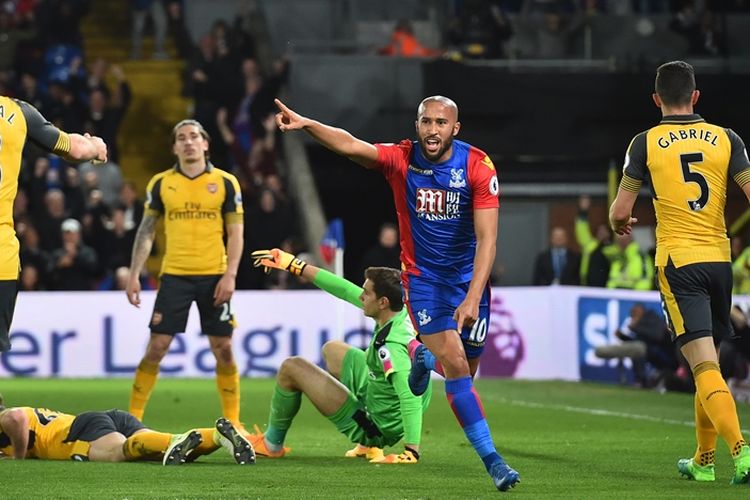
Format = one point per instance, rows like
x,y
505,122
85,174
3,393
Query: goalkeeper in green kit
x,y
365,394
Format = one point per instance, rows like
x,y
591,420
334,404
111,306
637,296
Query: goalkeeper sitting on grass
x,y
366,395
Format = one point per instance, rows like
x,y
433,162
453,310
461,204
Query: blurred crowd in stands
x,y
547,29
233,99
76,224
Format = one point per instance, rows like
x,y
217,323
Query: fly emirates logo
x,y
192,211
437,204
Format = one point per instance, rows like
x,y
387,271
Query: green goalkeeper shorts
x,y
353,419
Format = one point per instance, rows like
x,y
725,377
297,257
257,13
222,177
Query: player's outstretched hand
x,y
278,259
407,457
286,119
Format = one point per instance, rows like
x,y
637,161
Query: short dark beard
x,y
446,146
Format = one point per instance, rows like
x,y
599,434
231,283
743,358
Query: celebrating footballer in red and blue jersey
x,y
435,203
446,195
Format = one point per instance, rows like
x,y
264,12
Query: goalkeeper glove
x,y
409,456
278,259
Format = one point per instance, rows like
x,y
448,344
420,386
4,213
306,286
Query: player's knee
x,y
327,358
156,350
223,354
328,348
155,354
455,365
291,369
332,351
293,364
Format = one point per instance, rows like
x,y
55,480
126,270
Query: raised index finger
x,y
282,106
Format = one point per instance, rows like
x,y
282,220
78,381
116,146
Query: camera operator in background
x,y
646,341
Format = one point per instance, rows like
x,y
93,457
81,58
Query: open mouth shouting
x,y
432,145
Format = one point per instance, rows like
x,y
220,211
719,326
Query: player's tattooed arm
x,y
144,240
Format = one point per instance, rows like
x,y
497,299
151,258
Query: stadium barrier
x,y
534,333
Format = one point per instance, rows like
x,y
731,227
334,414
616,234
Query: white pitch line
x,y
600,412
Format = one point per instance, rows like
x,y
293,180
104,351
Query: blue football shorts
x,y
431,305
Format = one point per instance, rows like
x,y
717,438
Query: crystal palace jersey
x,y
435,203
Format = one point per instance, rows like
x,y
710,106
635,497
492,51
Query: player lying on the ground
x,y
109,436
366,395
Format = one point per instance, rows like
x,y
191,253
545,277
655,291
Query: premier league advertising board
x,y
89,334
533,333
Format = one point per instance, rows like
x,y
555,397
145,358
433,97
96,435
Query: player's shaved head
x,y
445,101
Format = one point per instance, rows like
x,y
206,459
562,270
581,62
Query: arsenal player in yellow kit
x,y
109,436
688,163
21,122
199,204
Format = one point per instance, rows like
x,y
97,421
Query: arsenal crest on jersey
x,y
212,187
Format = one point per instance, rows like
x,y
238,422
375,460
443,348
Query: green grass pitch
x,y
567,440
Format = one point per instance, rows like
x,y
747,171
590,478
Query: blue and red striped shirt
x,y
435,205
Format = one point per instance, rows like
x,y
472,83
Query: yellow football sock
x,y
143,385
228,383
209,443
705,434
146,444
718,404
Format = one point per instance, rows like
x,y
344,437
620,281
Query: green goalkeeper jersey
x,y
387,397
